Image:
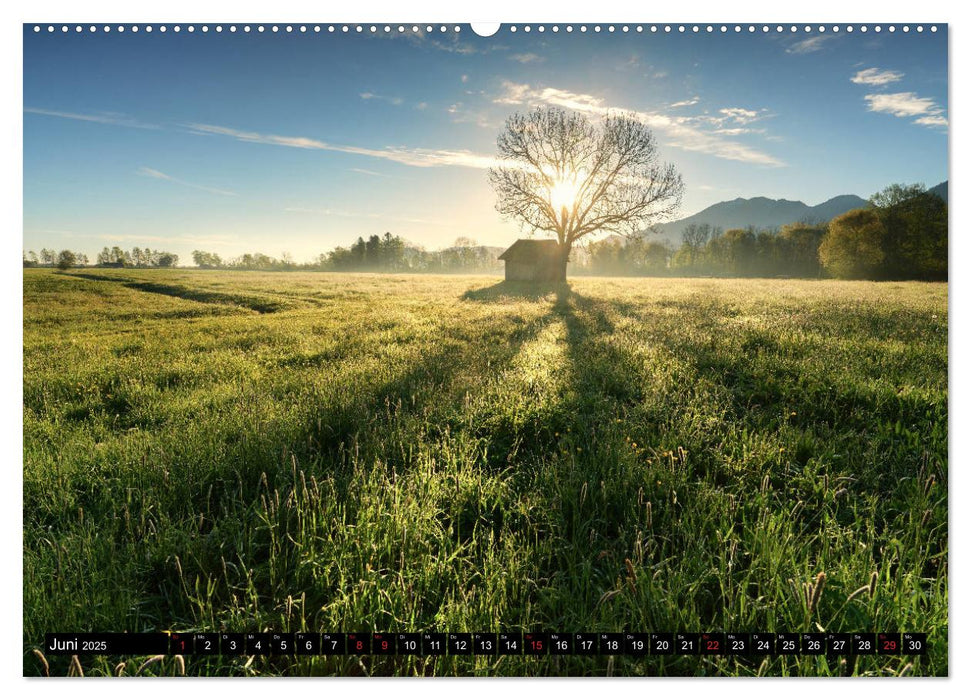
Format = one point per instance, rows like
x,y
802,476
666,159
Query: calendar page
x,y
450,349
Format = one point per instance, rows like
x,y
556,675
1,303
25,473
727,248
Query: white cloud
x,y
739,130
112,118
900,104
740,115
526,58
396,101
681,132
810,45
518,94
875,76
416,157
159,175
514,93
685,103
907,105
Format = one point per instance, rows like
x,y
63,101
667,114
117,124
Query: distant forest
x,y
900,234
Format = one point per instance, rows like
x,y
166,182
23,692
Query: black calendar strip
x,y
488,643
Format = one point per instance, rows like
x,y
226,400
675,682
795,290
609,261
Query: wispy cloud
x,y
463,115
738,131
740,115
450,42
159,175
214,240
526,58
366,215
810,45
112,118
875,76
685,103
907,105
681,131
416,157
397,101
52,232
369,172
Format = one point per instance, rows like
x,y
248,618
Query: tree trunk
x,y
561,263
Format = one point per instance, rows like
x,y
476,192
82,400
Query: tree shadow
x,y
516,291
378,424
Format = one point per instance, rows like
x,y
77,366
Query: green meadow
x,y
239,451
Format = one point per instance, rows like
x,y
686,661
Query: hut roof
x,y
530,250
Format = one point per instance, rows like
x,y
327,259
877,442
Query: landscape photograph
x,y
570,350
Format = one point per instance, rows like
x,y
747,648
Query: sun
x,y
564,193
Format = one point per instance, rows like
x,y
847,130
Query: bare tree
x,y
564,175
696,235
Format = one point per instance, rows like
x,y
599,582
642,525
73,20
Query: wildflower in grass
x,y
43,661
631,574
816,590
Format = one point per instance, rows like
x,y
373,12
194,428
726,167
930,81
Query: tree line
x,y
901,234
387,253
789,251
108,257
64,260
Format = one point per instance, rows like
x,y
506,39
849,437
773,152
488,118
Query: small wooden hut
x,y
529,260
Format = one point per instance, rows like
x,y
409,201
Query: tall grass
x,y
211,451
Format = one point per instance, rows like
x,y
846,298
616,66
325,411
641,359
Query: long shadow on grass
x,y
261,305
570,466
379,423
517,291
771,383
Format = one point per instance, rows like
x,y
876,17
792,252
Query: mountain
x,y
761,212
940,190
832,208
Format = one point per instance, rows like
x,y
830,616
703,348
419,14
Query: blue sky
x,y
277,142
